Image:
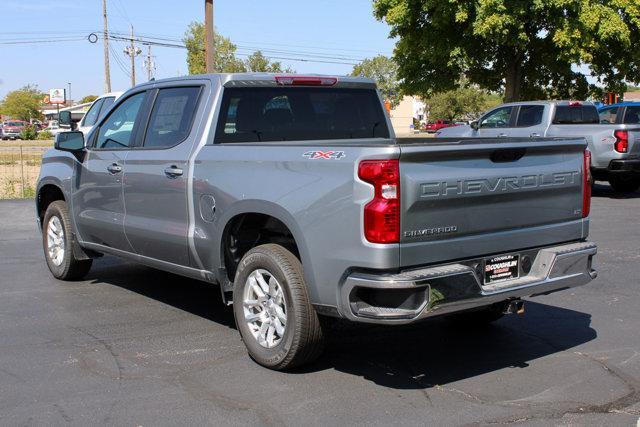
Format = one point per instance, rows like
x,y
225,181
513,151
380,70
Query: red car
x,y
11,129
437,125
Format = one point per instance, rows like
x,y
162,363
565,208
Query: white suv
x,y
97,110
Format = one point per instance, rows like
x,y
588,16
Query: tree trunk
x,y
513,82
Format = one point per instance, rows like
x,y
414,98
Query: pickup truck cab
x,y
11,129
292,194
615,147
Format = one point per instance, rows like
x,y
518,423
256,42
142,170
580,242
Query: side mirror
x,y
474,125
69,141
64,118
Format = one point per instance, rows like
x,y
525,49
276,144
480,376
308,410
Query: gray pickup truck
x,y
615,148
293,195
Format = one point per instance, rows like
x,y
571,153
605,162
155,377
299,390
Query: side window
x,y
632,115
497,118
608,115
530,115
171,117
92,115
108,102
116,131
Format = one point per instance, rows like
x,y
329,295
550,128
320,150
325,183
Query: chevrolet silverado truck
x,y
615,147
293,195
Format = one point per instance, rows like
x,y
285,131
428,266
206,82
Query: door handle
x,y
173,172
114,168
502,135
534,135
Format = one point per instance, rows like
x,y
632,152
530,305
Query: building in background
x,y
403,115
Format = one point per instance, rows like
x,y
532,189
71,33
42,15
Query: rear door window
x,y
300,114
632,115
530,115
576,115
171,117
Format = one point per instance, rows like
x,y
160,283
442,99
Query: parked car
x,y
623,112
98,109
293,195
11,129
615,148
437,125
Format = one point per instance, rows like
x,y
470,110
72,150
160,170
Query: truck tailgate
x,y
472,197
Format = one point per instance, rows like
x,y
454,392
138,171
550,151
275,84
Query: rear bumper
x,y
413,295
625,165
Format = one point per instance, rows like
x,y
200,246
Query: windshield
x,y
300,114
14,124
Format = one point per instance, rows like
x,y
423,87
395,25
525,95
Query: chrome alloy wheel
x,y
55,240
264,308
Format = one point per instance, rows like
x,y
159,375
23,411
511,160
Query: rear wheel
x,y
57,241
625,183
276,321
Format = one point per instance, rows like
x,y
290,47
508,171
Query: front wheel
x,y
57,241
625,183
276,321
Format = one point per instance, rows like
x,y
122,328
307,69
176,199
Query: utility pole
x,y
149,64
209,30
105,39
133,51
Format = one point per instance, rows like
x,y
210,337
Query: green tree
x,y
225,60
527,48
384,71
88,98
23,104
461,103
258,63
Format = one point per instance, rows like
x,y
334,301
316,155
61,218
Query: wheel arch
x,y
257,214
48,193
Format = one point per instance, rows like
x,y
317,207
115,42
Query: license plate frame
x,y
501,268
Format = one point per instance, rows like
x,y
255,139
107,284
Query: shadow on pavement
x,y
440,351
437,351
193,296
603,189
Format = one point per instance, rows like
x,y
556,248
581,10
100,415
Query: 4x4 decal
x,y
326,155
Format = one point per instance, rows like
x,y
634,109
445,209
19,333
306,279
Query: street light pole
x,y
69,94
209,30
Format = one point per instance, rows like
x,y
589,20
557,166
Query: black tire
x,y
69,268
302,340
625,183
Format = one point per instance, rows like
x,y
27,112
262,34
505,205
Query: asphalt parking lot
x,y
135,346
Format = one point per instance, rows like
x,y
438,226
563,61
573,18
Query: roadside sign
x,y
57,96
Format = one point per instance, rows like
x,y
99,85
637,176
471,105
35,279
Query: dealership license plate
x,y
504,267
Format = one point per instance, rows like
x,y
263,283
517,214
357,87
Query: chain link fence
x,y
19,170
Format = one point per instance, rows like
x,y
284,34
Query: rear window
x,y
576,115
608,115
14,124
299,114
530,115
632,115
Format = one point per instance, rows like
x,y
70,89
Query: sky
x,y
53,49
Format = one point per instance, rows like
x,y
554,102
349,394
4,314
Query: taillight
x,y
622,141
306,80
382,214
575,104
586,193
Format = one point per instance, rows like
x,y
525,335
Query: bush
x,y
30,132
44,134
